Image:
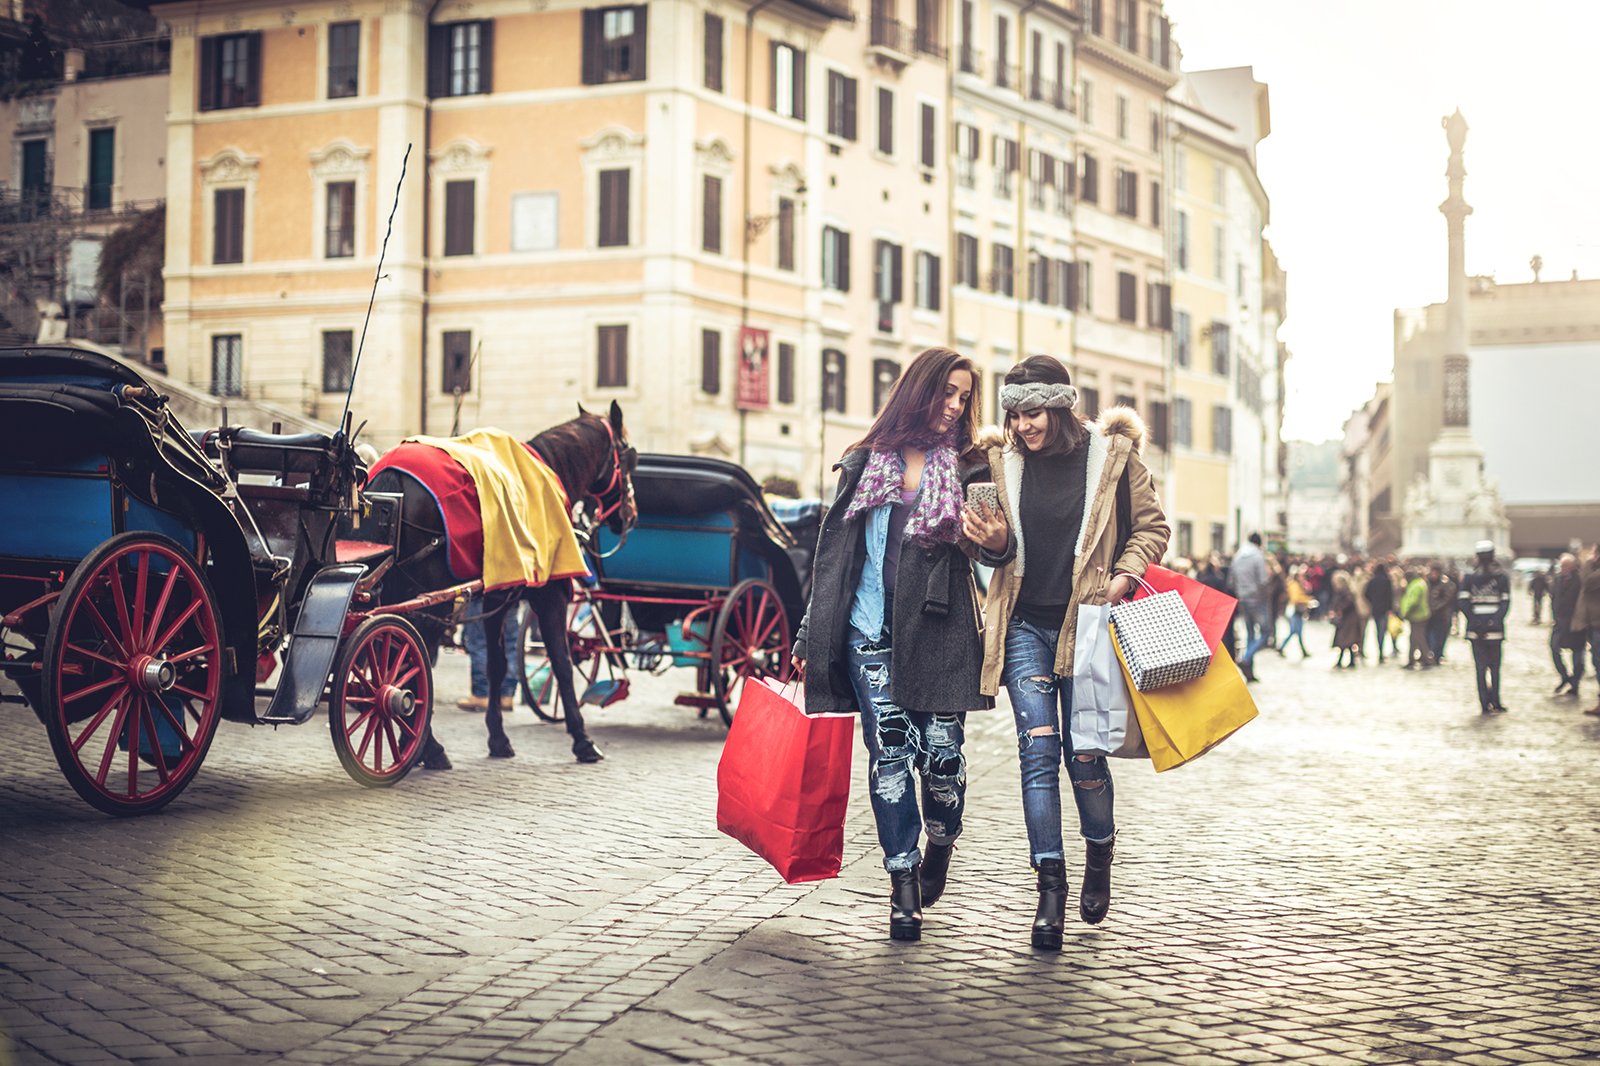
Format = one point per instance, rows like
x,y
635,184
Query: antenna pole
x,y
344,416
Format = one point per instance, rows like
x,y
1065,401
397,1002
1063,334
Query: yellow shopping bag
x,y
1182,722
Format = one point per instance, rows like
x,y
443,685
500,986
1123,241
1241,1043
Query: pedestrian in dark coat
x,y
1349,622
1586,614
893,631
1441,607
1564,636
1538,588
1380,597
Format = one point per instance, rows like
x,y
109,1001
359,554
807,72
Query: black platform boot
x,y
1096,895
934,871
1052,913
905,905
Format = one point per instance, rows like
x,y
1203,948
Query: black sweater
x,y
1051,510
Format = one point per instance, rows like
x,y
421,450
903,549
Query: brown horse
x,y
594,462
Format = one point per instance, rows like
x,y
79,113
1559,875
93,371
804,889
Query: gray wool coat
x,y
937,636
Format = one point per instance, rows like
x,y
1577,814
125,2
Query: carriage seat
x,y
262,452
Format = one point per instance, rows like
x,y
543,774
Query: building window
x,y
1221,338
460,57
788,81
710,362
1160,424
1088,102
1128,24
1127,399
886,282
1064,291
614,44
102,168
1155,130
227,226
785,372
1155,204
1002,277
460,217
1182,250
1158,304
1038,278
885,120
337,352
1090,402
927,281
1041,171
613,208
927,155
1122,117
1004,77
967,155
1089,185
785,233
1127,297
340,236
611,364
1182,338
885,372
967,260
713,52
1086,283
1127,193
1219,188
1222,429
227,365
456,369
841,105
835,259
230,71
1005,166
1185,539
344,59
710,214
1218,251
1182,424
833,365
1219,537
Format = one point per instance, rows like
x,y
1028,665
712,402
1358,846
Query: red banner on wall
x,y
754,369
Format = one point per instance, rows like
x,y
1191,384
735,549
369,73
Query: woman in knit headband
x,y
1070,541
891,630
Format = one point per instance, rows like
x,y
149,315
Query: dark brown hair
x,y
916,400
1067,430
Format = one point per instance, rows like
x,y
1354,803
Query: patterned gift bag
x,y
1159,641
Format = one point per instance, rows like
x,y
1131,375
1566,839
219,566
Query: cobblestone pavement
x,y
1370,872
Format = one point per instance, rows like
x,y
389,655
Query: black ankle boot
x,y
934,870
905,905
1052,913
1095,898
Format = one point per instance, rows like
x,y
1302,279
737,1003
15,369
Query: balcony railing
x,y
1047,91
971,60
64,203
1007,76
928,43
890,34
120,59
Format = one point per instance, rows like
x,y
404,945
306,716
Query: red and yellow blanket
x,y
505,513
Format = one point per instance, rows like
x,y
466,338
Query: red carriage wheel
x,y
382,700
750,640
584,634
133,674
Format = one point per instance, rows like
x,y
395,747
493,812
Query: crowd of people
x,y
1373,603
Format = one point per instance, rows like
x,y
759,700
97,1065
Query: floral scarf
x,y
937,518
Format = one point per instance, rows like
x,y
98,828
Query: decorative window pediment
x,y
613,142
229,166
461,155
339,159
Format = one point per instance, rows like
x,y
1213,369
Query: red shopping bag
x,y
1212,610
784,782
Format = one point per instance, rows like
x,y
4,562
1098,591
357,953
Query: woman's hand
x,y
1121,588
985,528
799,666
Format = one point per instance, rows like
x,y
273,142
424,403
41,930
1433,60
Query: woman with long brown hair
x,y
1082,522
892,630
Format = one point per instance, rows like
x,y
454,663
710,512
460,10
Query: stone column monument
x,y
1455,506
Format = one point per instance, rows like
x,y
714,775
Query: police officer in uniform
x,y
1485,598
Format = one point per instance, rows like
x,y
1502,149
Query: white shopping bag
x,y
1103,722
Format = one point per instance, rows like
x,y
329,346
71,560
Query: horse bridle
x,y
613,483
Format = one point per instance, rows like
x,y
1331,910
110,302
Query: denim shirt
x,y
866,612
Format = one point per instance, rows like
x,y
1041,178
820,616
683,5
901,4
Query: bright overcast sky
x,y
1355,162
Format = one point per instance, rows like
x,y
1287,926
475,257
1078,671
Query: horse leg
x,y
549,604
433,754
493,632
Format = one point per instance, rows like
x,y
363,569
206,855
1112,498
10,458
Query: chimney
x,y
72,64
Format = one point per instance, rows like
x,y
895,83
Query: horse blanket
x,y
505,513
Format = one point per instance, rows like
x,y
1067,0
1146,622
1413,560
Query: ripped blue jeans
x,y
900,742
1042,704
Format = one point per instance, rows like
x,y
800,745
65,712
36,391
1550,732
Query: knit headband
x,y
1032,395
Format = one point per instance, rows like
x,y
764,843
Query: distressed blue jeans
x,y
1041,700
901,743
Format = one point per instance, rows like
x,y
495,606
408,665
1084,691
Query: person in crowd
x,y
1082,522
1586,613
1349,622
1538,588
1316,583
1249,571
1277,599
1414,612
890,630
1380,598
1484,600
1214,574
1300,604
1564,637
1441,609
477,646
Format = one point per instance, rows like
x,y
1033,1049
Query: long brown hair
x,y
917,398
1067,430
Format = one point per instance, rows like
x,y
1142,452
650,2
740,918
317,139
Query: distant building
x,y
1315,500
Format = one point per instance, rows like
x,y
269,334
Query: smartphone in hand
x,y
986,493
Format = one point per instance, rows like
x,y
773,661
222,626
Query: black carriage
x,y
708,578
151,578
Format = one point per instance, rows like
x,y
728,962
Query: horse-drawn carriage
x,y
708,578
150,578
